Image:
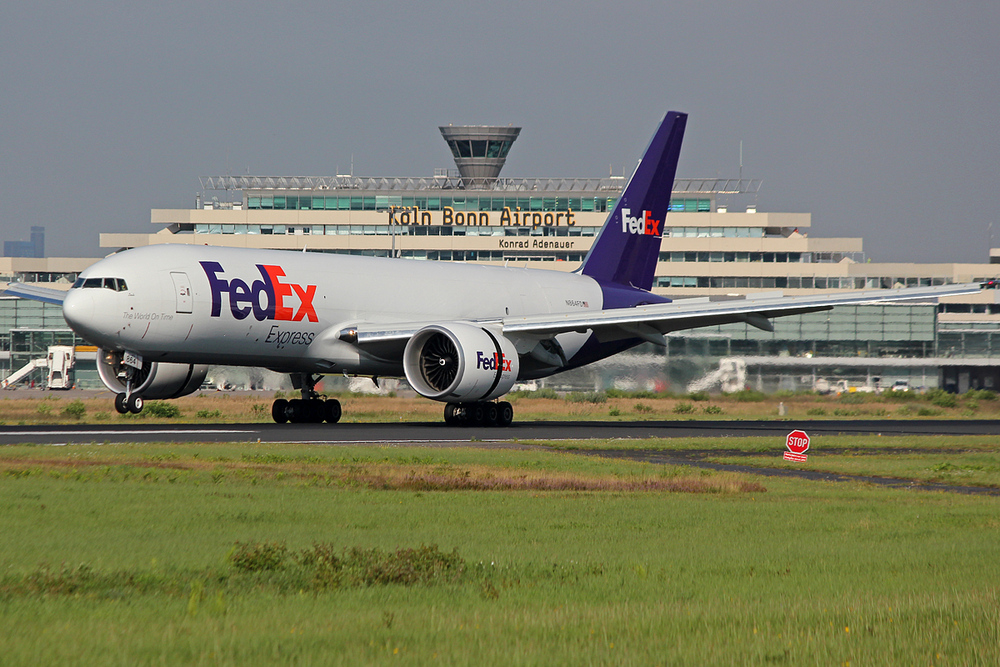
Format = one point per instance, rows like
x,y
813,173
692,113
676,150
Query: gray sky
x,y
878,118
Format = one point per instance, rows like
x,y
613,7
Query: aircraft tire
x,y
135,403
477,414
331,411
450,416
505,414
295,411
491,414
120,405
279,411
304,411
314,412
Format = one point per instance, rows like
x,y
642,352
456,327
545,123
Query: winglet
x,y
626,250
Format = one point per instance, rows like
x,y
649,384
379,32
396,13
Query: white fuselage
x,y
283,310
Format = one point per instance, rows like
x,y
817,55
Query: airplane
x,y
461,334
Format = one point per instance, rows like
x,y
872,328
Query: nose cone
x,y
79,312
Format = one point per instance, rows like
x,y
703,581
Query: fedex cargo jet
x,y
460,334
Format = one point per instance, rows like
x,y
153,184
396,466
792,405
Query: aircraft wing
x,y
756,310
651,321
35,293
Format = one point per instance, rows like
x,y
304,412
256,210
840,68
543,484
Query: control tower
x,y
480,150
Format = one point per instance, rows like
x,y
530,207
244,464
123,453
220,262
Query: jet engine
x,y
154,380
460,363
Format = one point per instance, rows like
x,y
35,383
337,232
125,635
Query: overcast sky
x,y
880,119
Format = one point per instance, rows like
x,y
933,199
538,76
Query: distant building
x,y
18,249
33,248
38,240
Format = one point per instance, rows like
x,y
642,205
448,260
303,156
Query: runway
x,y
524,435
439,433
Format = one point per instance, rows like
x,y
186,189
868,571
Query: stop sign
x,y
797,442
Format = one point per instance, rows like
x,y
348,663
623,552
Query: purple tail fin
x,y
627,248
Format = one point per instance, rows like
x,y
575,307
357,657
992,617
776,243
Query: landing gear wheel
x,y
279,411
477,413
295,411
134,403
490,414
506,413
451,414
120,405
308,412
331,411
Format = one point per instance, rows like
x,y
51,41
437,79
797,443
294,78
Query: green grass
x,y
803,572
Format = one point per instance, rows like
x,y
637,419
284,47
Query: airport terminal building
x,y
716,245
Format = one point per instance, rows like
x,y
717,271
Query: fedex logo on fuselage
x,y
268,298
492,362
645,225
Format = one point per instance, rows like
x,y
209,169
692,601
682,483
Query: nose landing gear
x,y
125,402
128,401
310,409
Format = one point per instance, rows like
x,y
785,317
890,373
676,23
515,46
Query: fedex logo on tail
x,y
268,298
492,362
644,225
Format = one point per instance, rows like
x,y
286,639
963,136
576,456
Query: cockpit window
x,y
113,284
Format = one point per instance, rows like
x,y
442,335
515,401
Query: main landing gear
x,y
479,414
310,409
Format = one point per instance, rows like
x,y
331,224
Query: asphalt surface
x,y
438,434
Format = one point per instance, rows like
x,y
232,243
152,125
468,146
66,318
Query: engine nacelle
x,y
154,380
460,363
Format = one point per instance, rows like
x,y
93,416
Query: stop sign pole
x,y
797,443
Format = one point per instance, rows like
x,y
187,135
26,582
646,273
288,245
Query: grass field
x,y
250,554
36,407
